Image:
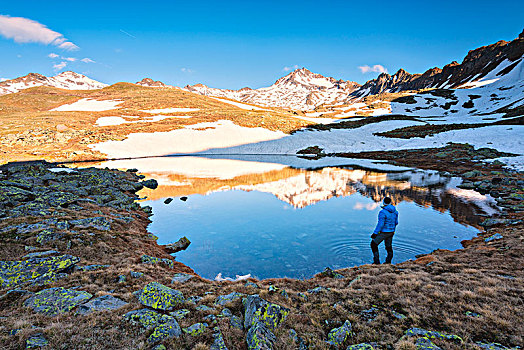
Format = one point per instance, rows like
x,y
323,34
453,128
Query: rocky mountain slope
x,y
301,89
476,65
148,82
304,90
66,80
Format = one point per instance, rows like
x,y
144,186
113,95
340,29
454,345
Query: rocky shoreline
x,y
78,269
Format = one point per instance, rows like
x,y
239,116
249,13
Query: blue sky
x,y
232,44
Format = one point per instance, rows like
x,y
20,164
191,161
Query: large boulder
x,y
103,303
257,310
38,271
164,326
54,301
337,336
168,329
160,297
259,337
260,318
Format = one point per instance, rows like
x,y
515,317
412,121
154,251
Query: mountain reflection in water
x,y
325,216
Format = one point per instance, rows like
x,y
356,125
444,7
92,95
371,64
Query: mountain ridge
x,y
66,80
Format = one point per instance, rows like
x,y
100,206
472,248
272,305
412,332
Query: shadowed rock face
x,y
476,64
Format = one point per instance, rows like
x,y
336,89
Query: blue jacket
x,y
387,219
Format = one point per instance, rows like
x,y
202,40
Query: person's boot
x,y
376,257
389,257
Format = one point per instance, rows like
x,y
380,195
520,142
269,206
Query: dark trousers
x,y
387,237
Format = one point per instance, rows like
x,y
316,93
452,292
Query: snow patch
x,y
89,105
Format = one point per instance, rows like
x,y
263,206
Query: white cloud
x,y
69,46
287,69
70,59
59,66
25,30
3,79
377,68
87,60
187,70
52,55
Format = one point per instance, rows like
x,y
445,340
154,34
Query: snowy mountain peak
x,y
300,89
66,80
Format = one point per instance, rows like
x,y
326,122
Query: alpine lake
x,y
285,216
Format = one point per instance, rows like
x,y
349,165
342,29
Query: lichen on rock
x,y
160,297
54,301
337,336
34,270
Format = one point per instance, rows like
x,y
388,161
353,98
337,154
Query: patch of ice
x,y
58,170
238,278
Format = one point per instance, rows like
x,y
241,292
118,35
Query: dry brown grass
x,y
30,130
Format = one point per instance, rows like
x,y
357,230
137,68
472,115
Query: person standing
x,y
384,231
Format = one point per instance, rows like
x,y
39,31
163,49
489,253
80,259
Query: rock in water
x,y
151,183
168,200
179,245
160,297
54,301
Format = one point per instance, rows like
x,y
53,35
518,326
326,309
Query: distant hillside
x,y
66,80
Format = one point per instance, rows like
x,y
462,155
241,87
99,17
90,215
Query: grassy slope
x,y
29,130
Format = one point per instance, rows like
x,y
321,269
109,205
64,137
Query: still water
x,y
271,220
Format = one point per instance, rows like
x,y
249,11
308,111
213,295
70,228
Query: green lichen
x,y
38,271
271,315
196,329
146,259
145,318
259,337
54,301
413,332
158,296
339,335
180,314
168,329
425,344
36,341
361,346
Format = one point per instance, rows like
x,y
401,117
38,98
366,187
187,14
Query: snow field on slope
x,y
88,105
191,139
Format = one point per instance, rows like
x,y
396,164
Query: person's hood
x,y
391,208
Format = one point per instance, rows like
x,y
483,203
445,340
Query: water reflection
x,y
271,220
